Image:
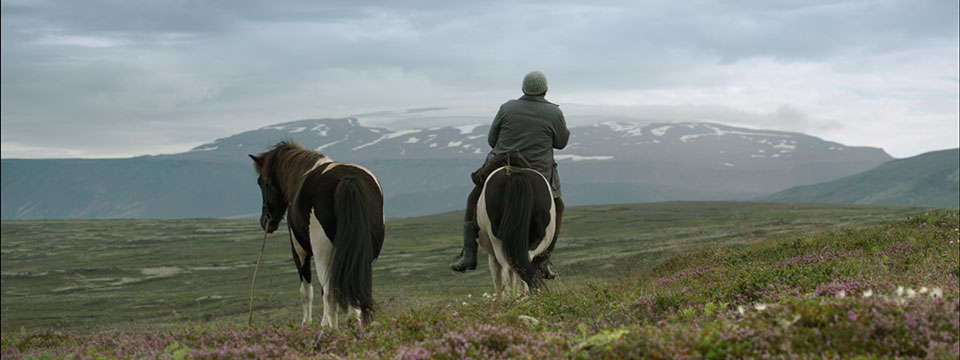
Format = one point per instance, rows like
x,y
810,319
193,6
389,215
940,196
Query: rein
x,y
254,283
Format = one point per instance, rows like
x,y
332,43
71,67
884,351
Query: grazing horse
x,y
517,219
335,216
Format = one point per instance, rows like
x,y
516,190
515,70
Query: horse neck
x,y
292,177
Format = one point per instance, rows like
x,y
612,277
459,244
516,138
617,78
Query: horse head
x,y
274,205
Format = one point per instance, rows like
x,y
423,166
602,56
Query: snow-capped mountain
x,y
606,162
707,144
346,139
427,170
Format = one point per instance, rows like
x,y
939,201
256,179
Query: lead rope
x,y
253,285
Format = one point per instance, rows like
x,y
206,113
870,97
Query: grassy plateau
x,y
667,280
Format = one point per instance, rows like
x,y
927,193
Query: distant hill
x,y
142,187
426,171
930,179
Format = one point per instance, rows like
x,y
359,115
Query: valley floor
x,y
702,280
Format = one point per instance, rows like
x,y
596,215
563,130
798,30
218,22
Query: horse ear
x,y
257,162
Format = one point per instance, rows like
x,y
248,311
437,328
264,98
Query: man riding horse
x,y
533,127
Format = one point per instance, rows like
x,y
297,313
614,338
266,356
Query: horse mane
x,y
285,164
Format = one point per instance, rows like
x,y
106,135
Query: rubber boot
x,y
468,256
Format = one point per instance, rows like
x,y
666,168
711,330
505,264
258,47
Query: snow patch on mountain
x,y
628,129
401,133
744,134
716,131
572,157
205,148
660,131
387,136
324,146
687,138
785,147
320,129
467,129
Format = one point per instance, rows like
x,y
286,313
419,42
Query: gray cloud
x,y
148,76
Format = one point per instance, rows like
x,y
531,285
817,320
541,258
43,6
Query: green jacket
x,y
532,126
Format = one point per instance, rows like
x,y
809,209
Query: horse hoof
x,y
547,272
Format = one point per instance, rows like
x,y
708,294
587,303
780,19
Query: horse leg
x,y
483,239
517,286
354,313
334,313
350,312
509,279
509,275
306,300
547,272
541,261
330,307
503,265
322,258
301,258
495,273
522,287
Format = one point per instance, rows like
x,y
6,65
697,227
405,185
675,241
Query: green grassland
x,y
702,280
93,275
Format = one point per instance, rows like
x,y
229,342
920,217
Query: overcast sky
x,y
123,78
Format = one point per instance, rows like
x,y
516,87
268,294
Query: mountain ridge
x,y
426,170
928,179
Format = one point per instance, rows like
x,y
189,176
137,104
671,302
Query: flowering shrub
x,y
485,342
824,255
842,287
920,327
694,272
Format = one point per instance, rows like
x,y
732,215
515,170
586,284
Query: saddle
x,y
497,161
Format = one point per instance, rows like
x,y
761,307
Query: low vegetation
x,y
853,286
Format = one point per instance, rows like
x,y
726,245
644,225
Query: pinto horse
x,y
517,219
335,216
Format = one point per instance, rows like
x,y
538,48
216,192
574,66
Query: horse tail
x,y
352,268
515,224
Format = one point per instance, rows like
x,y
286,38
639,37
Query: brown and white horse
x,y
516,214
335,216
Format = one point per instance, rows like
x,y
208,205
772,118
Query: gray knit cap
x,y
535,83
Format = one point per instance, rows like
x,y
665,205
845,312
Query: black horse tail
x,y
352,275
515,225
